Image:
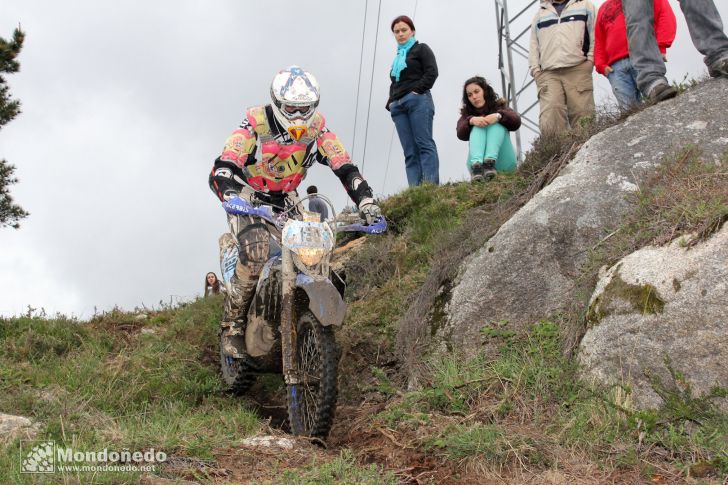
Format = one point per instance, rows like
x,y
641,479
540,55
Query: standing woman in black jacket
x,y
413,74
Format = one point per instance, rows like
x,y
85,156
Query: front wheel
x,y
312,402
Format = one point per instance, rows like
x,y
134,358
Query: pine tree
x,y
10,213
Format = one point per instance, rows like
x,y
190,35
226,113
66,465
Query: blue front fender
x,y
324,299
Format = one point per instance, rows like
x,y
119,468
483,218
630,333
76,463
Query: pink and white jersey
x,y
271,160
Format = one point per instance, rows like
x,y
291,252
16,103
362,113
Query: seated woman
x,y
485,121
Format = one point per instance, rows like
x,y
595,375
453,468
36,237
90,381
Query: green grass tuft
x,y
343,469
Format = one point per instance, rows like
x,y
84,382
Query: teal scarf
x,y
399,63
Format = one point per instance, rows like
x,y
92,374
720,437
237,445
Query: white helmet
x,y
295,95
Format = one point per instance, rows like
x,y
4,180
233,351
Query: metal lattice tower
x,y
512,90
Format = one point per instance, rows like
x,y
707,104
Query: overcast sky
x,y
126,104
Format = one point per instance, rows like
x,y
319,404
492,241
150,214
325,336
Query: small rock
x,y
9,422
14,426
269,442
141,316
149,331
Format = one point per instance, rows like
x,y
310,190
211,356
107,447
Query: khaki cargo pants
x,y
564,96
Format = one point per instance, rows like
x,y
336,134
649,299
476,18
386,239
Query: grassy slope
x,y
118,382
106,384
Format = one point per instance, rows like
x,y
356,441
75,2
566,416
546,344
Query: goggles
x,y
302,110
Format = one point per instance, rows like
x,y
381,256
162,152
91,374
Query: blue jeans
x,y
704,24
412,116
623,79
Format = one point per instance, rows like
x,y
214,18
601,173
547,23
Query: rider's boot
x,y
234,318
238,292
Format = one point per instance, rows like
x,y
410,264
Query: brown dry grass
x,y
401,449
689,197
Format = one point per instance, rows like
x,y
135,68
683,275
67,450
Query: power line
x,y
389,157
506,64
358,83
371,88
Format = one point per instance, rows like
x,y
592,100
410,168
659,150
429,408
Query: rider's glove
x,y
237,206
368,210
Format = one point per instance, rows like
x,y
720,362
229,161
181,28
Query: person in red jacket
x,y
611,51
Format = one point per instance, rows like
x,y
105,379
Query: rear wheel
x,y
237,373
312,402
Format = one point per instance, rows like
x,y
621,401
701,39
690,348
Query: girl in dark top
x,y
212,284
413,74
485,121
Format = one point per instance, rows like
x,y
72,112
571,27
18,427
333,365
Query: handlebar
x,y
243,207
377,227
248,209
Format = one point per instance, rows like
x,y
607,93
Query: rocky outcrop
x,y
528,270
660,310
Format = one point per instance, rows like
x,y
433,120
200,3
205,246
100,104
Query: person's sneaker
x,y
489,168
719,69
476,173
661,92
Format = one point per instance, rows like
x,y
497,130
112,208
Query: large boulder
x,y
661,314
529,269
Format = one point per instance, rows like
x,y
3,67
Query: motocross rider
x,y
263,161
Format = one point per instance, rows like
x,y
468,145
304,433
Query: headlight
x,y
310,256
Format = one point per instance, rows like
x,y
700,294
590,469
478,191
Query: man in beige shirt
x,y
561,60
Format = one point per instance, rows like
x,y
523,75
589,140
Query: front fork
x,y
288,324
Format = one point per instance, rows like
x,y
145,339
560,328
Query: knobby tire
x,y
237,374
312,402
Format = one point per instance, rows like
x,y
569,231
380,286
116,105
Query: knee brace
x,y
253,243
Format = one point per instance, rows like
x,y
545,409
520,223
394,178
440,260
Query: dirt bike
x,y
297,303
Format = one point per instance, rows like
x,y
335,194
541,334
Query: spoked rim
x,y
312,401
310,364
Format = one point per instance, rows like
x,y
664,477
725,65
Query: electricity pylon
x,y
507,47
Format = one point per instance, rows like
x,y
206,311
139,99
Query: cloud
x,y
27,280
126,104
